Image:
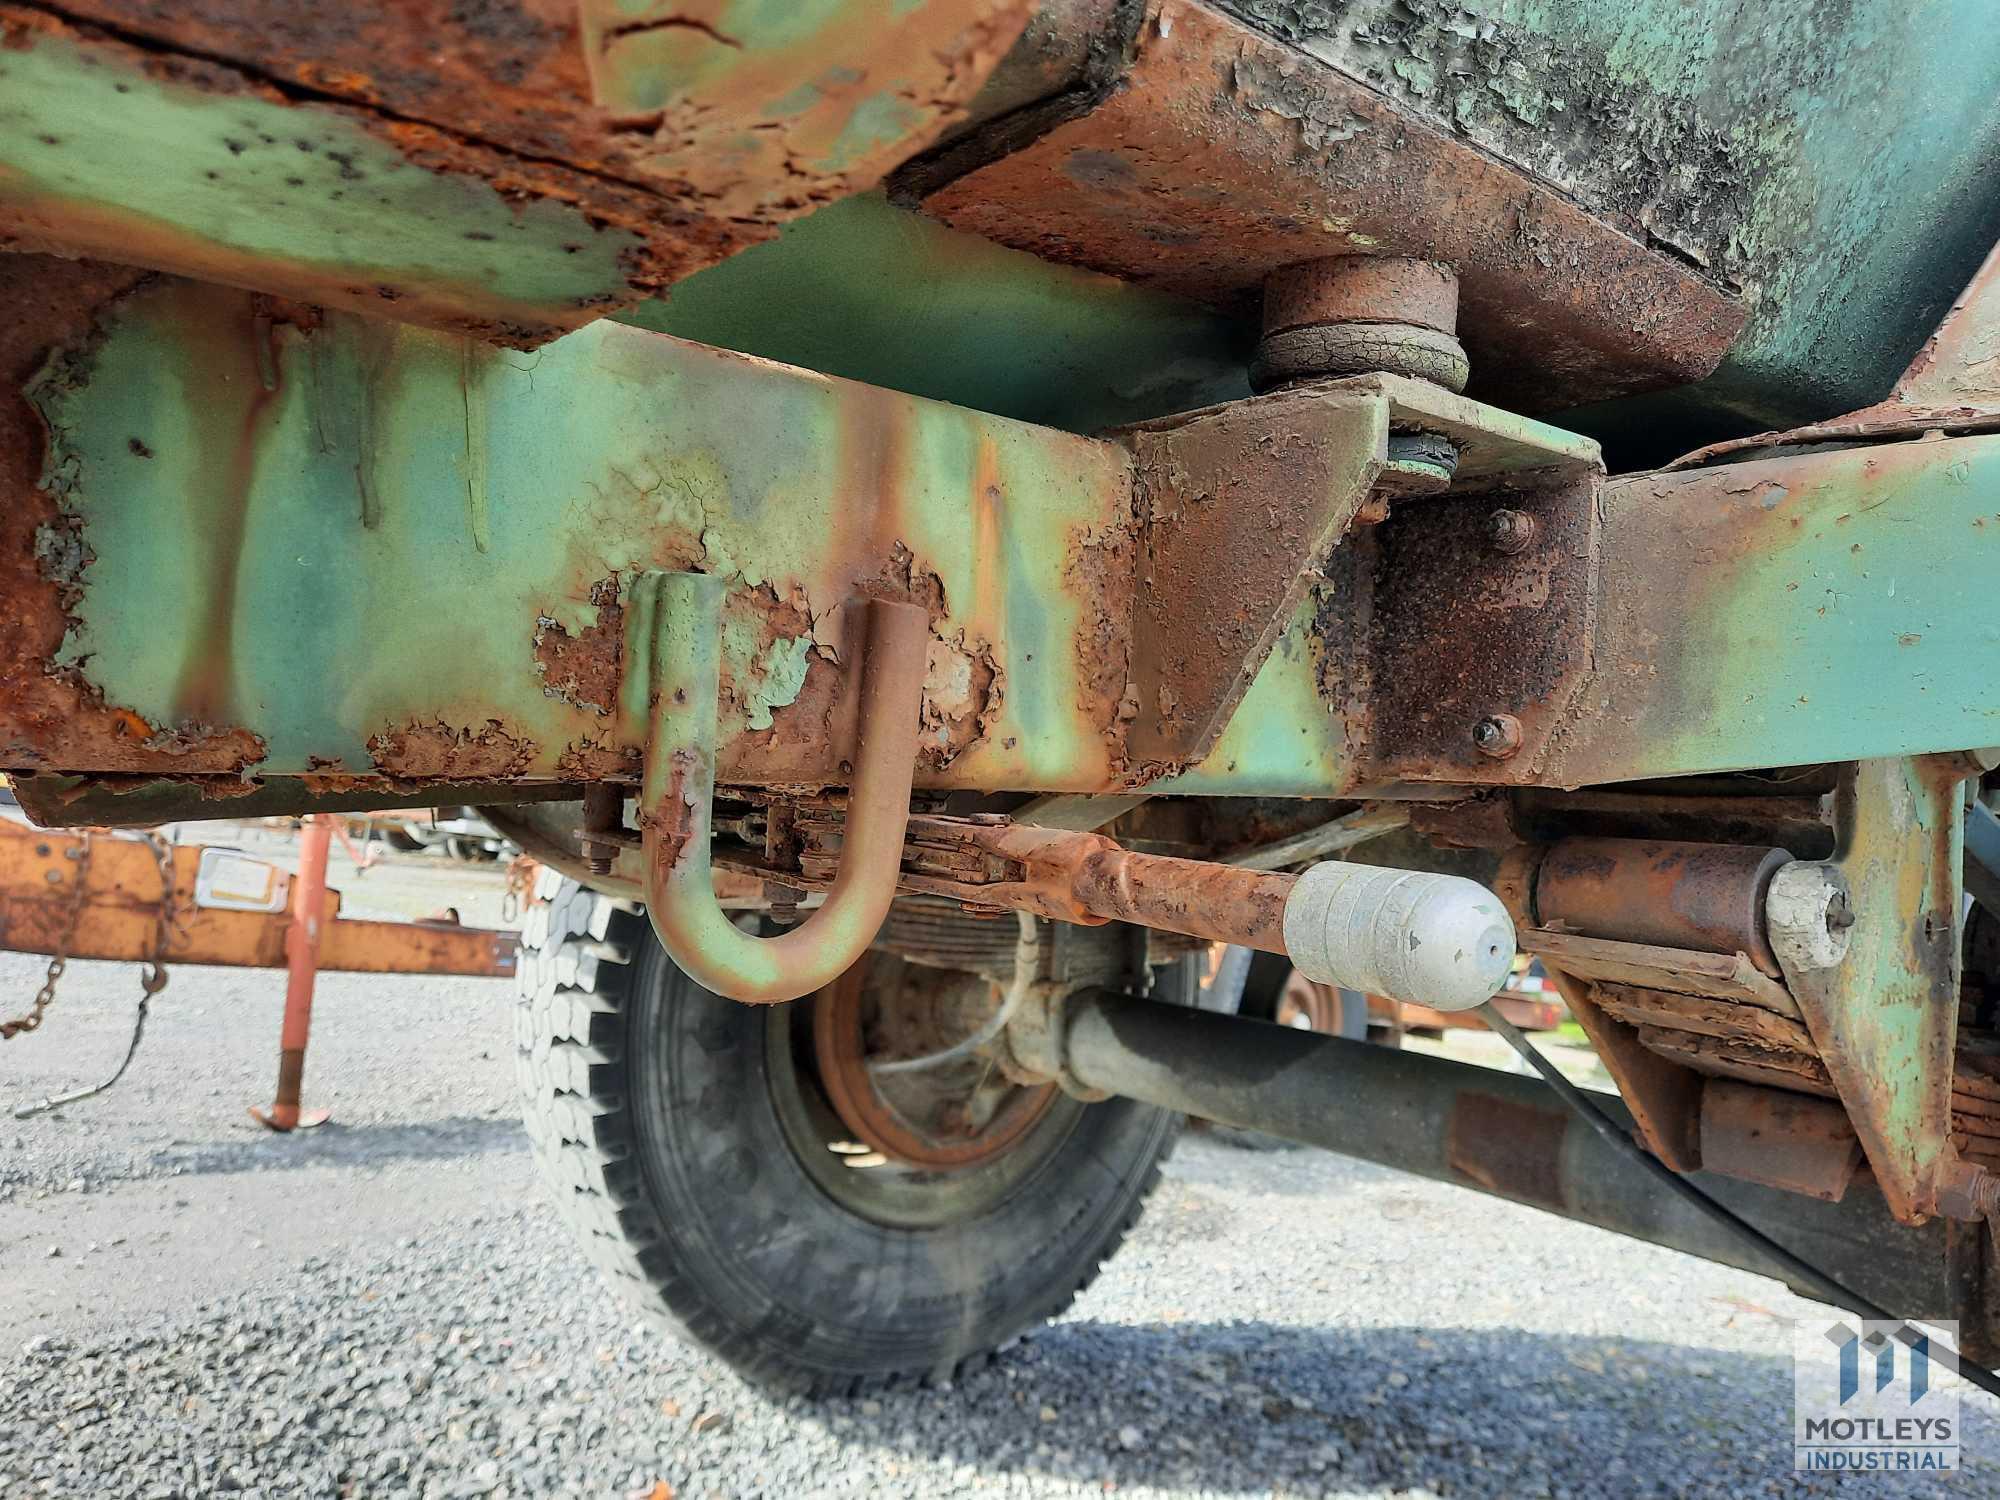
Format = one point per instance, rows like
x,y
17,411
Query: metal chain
x,y
59,960
152,979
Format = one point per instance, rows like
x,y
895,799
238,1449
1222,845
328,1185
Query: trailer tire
x,y
658,1116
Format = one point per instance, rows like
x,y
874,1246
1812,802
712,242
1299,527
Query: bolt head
x,y
1497,736
1510,531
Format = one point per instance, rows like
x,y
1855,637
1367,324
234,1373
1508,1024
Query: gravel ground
x,y
385,1307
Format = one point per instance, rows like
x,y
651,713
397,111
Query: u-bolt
x,y
685,635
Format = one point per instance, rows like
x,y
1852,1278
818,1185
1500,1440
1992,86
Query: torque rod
x,y
680,618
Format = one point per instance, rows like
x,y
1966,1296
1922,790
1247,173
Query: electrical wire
x,y
1796,1269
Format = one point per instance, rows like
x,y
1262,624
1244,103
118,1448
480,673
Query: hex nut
x,y
1497,736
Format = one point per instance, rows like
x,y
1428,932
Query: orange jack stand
x,y
301,965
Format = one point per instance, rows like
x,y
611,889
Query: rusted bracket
x,y
674,678
1238,505
1225,154
1869,942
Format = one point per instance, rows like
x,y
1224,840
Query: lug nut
x,y
1497,735
1510,531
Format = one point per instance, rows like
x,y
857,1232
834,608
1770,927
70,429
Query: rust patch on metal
x,y
50,715
1706,897
1514,1150
435,750
1783,1140
884,1005
671,238
509,73
760,130
583,669
1460,632
1237,507
1100,573
674,821
963,691
1225,155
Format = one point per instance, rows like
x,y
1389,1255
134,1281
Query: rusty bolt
x,y
1497,735
603,816
1510,531
1966,1191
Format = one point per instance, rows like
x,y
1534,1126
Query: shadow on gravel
x,y
337,1145
1257,1408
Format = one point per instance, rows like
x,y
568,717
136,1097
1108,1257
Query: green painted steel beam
x,y
1832,605
386,551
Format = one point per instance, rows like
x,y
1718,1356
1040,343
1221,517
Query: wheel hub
x,y
958,1113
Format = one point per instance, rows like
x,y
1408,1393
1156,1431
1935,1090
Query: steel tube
x,y
301,969
1705,897
685,612
1222,903
1500,1133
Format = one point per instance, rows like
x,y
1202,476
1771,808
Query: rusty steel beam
x,y
1246,502
508,172
122,895
1221,155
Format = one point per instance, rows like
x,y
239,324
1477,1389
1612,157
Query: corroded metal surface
x,y
51,713
459,527
443,164
1780,151
121,916
1788,1141
676,632
496,506
1478,652
208,171
1238,508
1362,289
1089,879
1885,1014
935,1118
1706,897
762,112
1224,155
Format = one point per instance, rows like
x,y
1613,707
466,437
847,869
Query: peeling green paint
x,y
104,158
1830,158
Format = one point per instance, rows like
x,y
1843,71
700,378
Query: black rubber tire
x,y
649,1101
